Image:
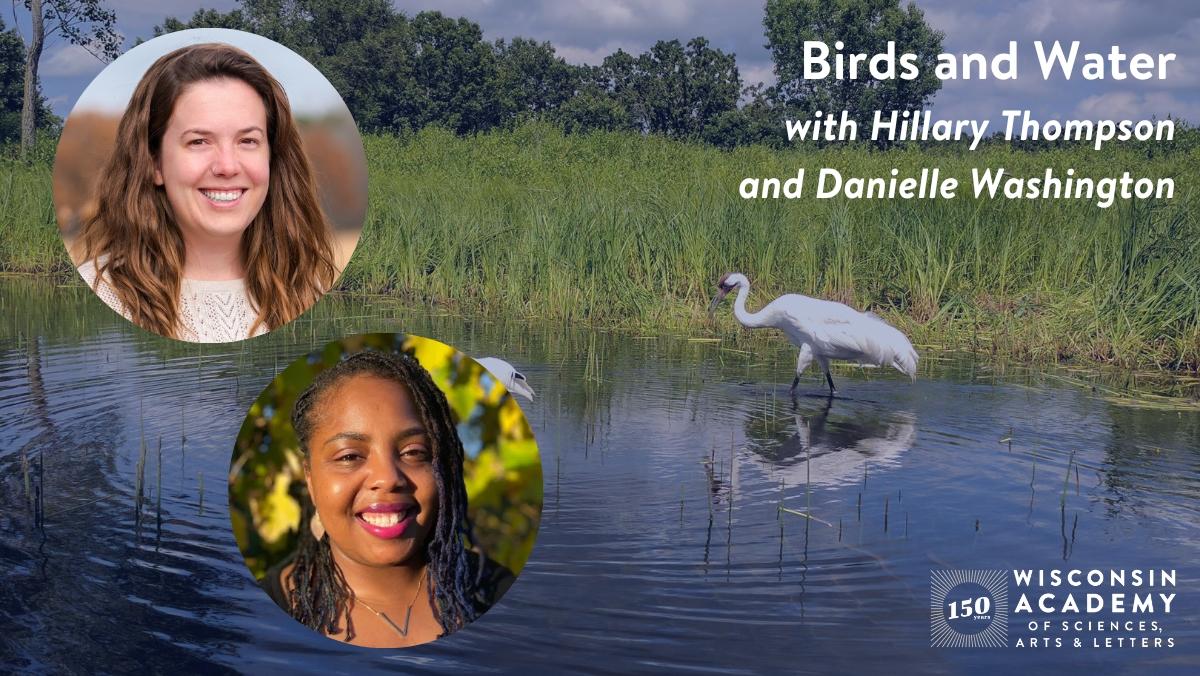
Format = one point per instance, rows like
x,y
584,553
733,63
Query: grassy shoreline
x,y
630,232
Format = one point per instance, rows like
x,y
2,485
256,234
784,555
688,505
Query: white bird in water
x,y
823,330
514,381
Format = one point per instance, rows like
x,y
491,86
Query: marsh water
x,y
663,545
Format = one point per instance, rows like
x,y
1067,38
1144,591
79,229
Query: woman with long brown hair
x,y
208,227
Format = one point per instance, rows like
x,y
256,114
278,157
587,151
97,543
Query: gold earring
x,y
317,528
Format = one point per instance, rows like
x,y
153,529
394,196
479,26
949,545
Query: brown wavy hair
x,y
134,240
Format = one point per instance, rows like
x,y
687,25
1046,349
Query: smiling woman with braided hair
x,y
387,563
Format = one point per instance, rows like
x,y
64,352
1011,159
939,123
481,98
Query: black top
x,y
494,581
272,582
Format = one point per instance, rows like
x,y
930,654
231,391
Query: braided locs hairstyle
x,y
319,596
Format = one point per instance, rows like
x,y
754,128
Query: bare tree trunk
x,y
32,56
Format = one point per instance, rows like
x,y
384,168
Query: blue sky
x,y
584,31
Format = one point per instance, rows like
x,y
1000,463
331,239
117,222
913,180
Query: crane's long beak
x,y
712,307
518,384
521,389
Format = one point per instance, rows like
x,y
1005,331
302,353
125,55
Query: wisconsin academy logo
x,y
968,608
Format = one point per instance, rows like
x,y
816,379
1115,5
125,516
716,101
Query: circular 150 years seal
x,y
968,609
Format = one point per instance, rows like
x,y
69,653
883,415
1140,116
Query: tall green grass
x,y
29,240
627,231
632,231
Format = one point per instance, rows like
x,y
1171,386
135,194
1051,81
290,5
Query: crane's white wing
x,y
837,331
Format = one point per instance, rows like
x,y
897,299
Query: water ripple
x,y
663,545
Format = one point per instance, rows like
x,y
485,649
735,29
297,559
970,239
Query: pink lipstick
x,y
387,520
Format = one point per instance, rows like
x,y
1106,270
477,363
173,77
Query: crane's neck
x,y
749,320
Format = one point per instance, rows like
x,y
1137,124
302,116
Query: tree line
x,y
399,73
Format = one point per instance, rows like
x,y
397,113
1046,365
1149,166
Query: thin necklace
x,y
403,631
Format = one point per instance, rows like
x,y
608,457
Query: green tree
x,y
205,18
381,99
393,72
759,120
81,22
711,84
672,89
592,109
456,74
863,26
532,79
346,40
399,73
315,29
12,88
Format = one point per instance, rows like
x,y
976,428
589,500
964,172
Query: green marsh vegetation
x,y
630,231
29,240
626,231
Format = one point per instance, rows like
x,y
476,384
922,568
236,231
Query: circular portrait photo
x,y
210,185
385,491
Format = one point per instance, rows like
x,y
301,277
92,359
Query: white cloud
x,y
1131,106
70,60
1040,19
757,73
730,25
1110,105
620,14
157,11
591,56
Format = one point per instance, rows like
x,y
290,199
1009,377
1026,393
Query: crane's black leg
x,y
829,379
795,383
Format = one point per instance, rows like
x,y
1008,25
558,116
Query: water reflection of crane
x,y
811,446
832,450
815,445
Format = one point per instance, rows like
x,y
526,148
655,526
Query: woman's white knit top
x,y
209,312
